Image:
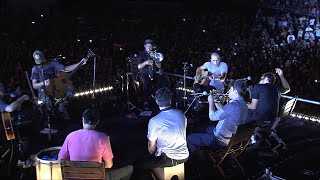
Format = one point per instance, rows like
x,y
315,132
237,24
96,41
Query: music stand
x,y
130,106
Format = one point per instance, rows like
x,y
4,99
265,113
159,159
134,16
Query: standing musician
x,y
147,67
4,107
42,74
215,76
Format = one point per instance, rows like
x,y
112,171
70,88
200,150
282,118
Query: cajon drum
x,y
167,173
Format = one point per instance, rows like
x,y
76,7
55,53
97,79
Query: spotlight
x,y
203,30
33,22
90,40
183,19
41,15
78,40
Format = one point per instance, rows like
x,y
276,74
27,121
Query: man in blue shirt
x,y
229,117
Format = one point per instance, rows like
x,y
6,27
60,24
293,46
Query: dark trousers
x,y
160,80
143,167
195,140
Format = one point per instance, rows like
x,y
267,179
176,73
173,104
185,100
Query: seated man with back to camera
x,y
167,143
229,117
87,144
264,105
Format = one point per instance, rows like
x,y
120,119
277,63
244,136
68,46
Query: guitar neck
x,y
73,71
214,77
90,54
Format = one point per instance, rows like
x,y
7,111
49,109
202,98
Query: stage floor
x,y
128,135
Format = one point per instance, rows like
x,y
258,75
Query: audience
x,y
250,45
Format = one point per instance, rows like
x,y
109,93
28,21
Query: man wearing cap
x,y
145,64
87,144
43,71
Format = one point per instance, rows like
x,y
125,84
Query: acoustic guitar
x,y
6,120
205,78
58,86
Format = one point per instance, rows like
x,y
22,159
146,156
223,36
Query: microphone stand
x,y
94,79
45,104
94,75
185,69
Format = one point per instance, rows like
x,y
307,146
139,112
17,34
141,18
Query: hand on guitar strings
x,y
46,82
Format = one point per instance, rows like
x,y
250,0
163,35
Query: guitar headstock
x,y
90,54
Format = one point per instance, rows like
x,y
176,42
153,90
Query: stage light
x,y
33,22
93,91
218,49
184,19
90,40
203,30
41,15
78,40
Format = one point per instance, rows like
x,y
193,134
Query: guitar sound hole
x,y
64,81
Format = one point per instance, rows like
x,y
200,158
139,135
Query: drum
x,y
47,165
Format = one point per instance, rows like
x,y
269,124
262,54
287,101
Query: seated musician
x,y
212,79
264,105
4,107
87,144
229,117
147,69
43,72
167,143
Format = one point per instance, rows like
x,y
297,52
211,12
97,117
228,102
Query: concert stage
x,y
128,136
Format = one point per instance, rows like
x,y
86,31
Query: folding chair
x,y
264,133
82,170
236,146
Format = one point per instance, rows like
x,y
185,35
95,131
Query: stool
x,y
167,173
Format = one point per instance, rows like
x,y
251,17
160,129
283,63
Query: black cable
x,y
9,166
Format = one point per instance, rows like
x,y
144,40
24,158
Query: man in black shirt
x,y
266,96
147,67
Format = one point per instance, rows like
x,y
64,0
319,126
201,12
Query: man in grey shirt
x,y
167,143
229,116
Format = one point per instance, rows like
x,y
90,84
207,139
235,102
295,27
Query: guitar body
x,y
204,78
6,120
58,86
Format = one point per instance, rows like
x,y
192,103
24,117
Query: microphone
x,y
204,93
246,79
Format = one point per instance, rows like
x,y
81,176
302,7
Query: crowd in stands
x,y
249,44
